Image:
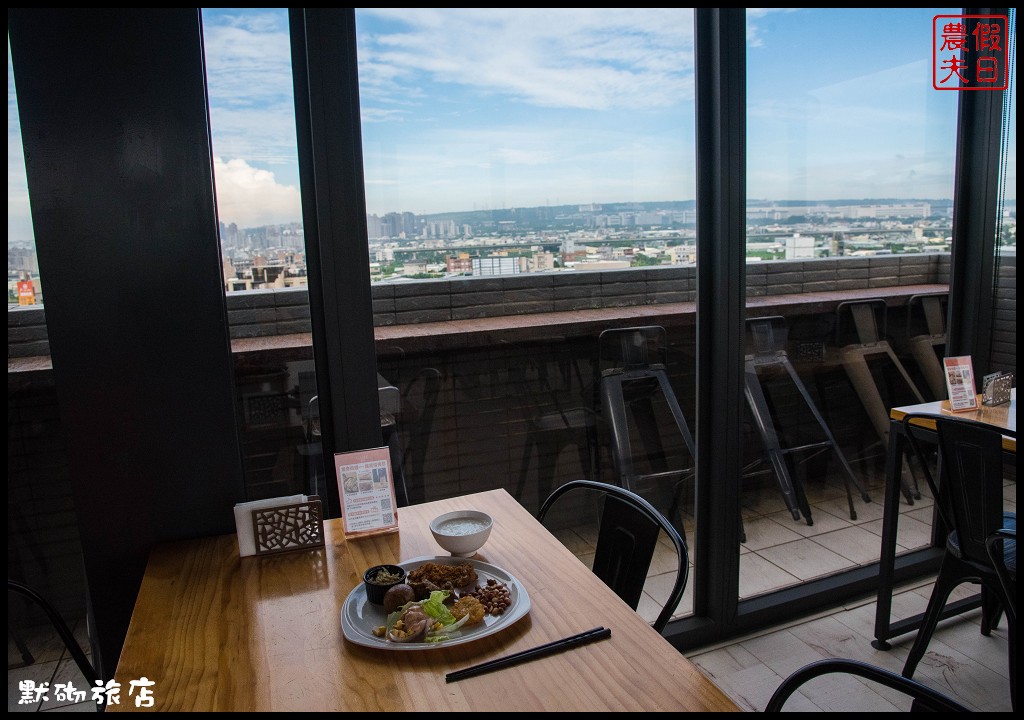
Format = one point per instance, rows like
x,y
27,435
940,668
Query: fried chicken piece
x,y
445,577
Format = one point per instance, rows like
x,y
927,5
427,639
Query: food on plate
x,y
397,596
411,625
470,606
427,620
494,596
431,576
384,576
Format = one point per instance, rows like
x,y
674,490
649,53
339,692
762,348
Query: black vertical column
x,y
117,149
330,148
720,75
975,210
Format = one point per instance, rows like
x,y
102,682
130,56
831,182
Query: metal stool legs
x,y
766,355
635,382
855,361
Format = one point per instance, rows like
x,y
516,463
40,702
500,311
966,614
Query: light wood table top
x,y
219,632
1004,416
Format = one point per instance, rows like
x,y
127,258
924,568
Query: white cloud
x,y
753,29
251,197
601,59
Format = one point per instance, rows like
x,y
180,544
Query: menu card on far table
x,y
367,491
960,383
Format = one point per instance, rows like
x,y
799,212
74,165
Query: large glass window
x,y
530,180
252,122
1004,342
23,286
850,186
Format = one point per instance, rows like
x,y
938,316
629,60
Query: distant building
x,y
373,227
682,254
799,246
888,211
22,259
462,264
414,267
496,266
541,262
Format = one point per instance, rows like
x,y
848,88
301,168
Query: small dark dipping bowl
x,y
375,591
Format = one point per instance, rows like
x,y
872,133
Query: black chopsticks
x,y
555,646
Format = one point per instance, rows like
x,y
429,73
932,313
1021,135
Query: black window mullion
x,y
720,48
975,209
334,219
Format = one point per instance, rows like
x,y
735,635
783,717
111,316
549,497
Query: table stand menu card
x,y
960,383
367,491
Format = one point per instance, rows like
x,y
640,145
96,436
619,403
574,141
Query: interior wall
x,y
117,148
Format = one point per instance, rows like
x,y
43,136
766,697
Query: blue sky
x,y
492,108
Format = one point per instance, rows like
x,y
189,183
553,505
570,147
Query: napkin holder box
x,y
996,388
286,527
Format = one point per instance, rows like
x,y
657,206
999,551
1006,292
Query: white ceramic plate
x,y
359,616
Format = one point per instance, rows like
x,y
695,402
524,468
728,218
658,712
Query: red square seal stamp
x,y
970,52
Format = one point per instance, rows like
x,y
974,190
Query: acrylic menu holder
x,y
367,491
960,383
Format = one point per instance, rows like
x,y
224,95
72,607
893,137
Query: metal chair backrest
x,y
632,348
767,335
627,538
932,309
869,321
924,698
969,493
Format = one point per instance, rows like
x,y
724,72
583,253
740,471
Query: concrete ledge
x,y
537,298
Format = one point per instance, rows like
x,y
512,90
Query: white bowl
x,y
462,532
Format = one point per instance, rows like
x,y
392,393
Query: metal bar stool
x,y
569,420
767,353
929,347
631,381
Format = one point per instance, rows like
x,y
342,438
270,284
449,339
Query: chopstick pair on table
x,y
555,646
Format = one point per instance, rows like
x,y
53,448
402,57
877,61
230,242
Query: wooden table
x,y
219,632
1004,415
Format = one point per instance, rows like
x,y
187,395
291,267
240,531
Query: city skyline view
x,y
480,109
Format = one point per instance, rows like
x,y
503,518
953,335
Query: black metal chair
x,y
628,532
969,501
1002,551
61,627
312,450
923,697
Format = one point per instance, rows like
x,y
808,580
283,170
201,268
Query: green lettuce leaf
x,y
434,607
